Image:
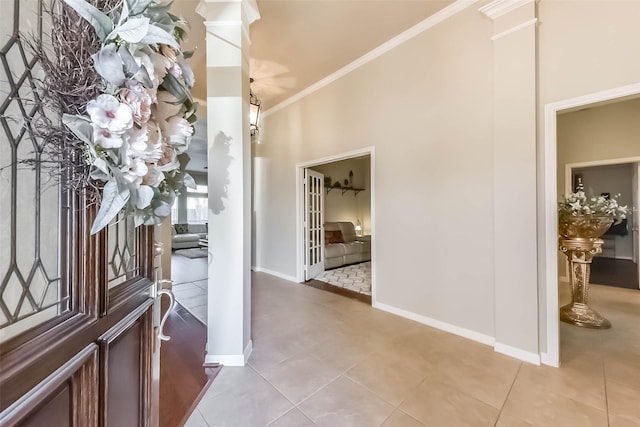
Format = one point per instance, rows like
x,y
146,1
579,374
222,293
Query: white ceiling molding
x,y
403,37
497,8
514,29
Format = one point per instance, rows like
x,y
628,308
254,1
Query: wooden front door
x,y
76,311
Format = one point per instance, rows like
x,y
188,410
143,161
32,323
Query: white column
x,y
515,232
229,169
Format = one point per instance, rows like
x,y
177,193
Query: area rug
x,y
355,277
192,252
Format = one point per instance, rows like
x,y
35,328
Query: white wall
x,y
348,206
427,107
428,115
583,47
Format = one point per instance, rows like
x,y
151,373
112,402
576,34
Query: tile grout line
x,y
508,394
606,396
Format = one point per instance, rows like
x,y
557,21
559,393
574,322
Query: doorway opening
x,y
559,146
335,206
617,264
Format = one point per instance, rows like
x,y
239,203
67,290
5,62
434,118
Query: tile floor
x,y
320,359
190,284
355,277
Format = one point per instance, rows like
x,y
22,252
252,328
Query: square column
x,y
229,180
515,224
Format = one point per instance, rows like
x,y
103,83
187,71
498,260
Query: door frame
x,y
550,310
300,167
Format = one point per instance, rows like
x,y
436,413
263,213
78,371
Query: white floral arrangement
x,y
578,203
137,130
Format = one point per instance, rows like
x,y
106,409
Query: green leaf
x,y
109,65
132,30
189,182
80,127
175,88
100,21
157,35
112,202
138,6
145,194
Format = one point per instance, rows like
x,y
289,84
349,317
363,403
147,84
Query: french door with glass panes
x,y
76,311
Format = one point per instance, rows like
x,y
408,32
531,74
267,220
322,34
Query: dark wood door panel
x,y
125,369
63,398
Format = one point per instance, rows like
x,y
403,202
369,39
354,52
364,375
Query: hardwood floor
x,y
183,379
337,290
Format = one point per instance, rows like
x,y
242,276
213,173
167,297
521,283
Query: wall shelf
x,y
345,189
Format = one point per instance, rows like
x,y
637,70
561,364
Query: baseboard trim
x,y
517,353
444,326
546,359
230,359
275,273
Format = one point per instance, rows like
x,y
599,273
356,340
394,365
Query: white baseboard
x,y
547,360
230,359
275,273
517,353
447,327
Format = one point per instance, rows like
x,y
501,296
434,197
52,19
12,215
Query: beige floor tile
x,y
624,401
625,370
390,380
488,378
345,403
196,420
293,418
400,419
542,407
580,381
240,397
300,376
340,351
621,421
507,420
440,405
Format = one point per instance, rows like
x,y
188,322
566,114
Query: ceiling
x,y
296,43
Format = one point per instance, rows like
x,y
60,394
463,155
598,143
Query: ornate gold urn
x,y
579,241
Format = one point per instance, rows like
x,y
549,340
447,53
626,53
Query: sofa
x,y
343,247
185,236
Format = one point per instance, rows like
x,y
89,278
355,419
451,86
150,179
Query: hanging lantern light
x,y
254,110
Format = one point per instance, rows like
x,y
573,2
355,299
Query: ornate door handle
x,y
172,302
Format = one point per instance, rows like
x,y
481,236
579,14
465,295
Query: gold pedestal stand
x,y
580,252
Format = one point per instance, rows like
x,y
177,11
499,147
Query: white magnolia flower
x,y
141,147
105,138
108,113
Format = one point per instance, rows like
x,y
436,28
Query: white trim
x,y
275,273
447,327
516,353
247,351
300,167
552,355
547,360
498,8
606,162
514,29
403,37
230,359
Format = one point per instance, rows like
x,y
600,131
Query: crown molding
x,y
498,8
403,37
